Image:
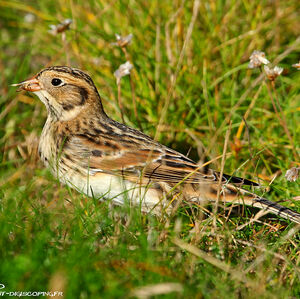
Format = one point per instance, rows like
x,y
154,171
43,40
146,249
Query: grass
x,y
189,90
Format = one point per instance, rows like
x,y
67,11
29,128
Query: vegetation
x,y
190,86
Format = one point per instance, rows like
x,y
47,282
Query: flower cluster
x,y
296,65
273,73
62,27
292,174
122,41
123,70
258,58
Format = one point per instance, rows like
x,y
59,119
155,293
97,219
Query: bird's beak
x,y
32,84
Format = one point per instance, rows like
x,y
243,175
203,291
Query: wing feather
x,y
152,162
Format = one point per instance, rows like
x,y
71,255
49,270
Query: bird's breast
x,y
48,147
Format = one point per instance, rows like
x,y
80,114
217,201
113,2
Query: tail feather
x,y
239,181
276,209
233,194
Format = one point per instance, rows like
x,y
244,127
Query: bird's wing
x,y
149,160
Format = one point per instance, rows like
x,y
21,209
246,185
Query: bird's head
x,y
65,91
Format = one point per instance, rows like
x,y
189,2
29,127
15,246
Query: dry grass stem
x,y
157,289
221,175
281,119
179,64
236,274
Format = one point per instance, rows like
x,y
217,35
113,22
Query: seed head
x,y
29,18
257,58
123,41
123,70
296,65
273,73
292,174
63,26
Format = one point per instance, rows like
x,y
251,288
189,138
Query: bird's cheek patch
x,y
83,95
67,107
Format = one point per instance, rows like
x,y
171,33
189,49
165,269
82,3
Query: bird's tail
x,y
234,194
276,209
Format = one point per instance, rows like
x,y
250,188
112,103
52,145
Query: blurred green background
x,y
52,238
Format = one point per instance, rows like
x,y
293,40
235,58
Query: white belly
x,y
110,187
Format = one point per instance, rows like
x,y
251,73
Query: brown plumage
x,y
103,158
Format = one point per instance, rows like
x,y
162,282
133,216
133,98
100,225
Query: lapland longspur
x,y
100,157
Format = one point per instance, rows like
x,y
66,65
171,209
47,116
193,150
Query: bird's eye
x,y
56,82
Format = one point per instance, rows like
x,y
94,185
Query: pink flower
x,y
257,58
292,174
63,26
273,73
123,70
297,65
122,41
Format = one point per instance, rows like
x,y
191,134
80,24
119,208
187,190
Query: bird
x,y
102,158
